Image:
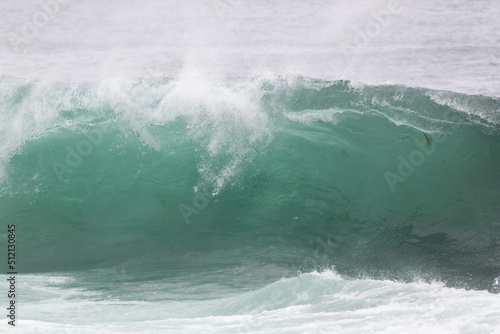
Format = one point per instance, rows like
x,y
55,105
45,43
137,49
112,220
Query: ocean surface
x,y
251,167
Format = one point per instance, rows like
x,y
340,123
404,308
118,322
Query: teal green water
x,y
395,181
236,184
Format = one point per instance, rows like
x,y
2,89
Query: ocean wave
x,y
394,180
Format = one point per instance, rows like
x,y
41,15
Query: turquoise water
x,y
251,204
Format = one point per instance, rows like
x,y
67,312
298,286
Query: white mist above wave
x,y
309,303
449,45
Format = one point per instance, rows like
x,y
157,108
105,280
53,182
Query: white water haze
x,y
451,45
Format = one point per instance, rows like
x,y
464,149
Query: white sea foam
x,y
309,303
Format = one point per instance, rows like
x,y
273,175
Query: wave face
x,y
164,178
